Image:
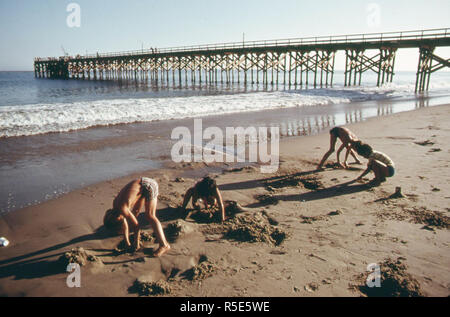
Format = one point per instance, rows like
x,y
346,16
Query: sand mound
x,y
253,228
178,228
79,256
212,214
395,281
203,270
145,286
232,208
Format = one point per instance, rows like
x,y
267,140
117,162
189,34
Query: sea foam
x,y
62,117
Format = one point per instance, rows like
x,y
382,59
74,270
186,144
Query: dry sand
x,y
298,233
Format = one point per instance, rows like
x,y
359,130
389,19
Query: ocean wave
x,y
62,117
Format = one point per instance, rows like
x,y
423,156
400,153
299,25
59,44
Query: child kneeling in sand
x,y
207,191
347,138
381,164
126,207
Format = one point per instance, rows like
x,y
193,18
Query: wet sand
x,y
37,168
298,233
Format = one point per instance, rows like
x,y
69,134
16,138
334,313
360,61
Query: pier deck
x,y
304,61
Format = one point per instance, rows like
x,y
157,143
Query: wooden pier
x,y
304,61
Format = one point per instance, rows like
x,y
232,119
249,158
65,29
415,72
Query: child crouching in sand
x,y
126,207
379,163
347,138
207,191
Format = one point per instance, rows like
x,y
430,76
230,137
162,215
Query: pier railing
x,y
418,35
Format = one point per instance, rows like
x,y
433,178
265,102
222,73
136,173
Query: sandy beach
x,y
297,232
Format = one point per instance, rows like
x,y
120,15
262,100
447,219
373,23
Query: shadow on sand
x,y
40,263
262,181
334,191
27,266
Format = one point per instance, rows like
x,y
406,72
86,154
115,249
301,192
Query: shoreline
x,y
38,168
369,228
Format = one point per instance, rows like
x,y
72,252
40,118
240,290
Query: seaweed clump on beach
x,y
395,281
78,256
431,219
253,228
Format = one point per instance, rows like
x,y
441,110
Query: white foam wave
x,y
62,117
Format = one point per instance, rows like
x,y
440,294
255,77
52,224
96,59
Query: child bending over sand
x,y
126,207
207,191
347,138
379,163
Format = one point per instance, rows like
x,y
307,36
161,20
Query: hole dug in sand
x,y
79,256
395,282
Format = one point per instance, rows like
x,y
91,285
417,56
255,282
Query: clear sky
x,y
31,28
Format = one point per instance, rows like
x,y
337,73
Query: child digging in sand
x,y
126,207
207,191
347,138
379,163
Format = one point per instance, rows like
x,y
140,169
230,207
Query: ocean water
x,y
30,106
60,135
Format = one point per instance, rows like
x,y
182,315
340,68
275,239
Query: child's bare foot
x,y
136,249
161,251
